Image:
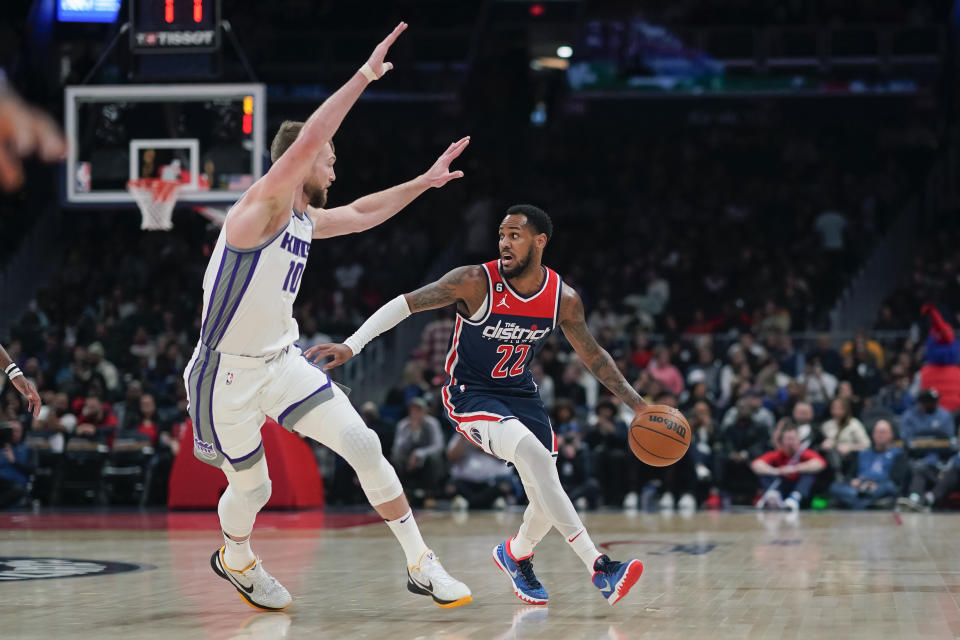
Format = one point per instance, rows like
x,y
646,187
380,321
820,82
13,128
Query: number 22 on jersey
x,y
500,371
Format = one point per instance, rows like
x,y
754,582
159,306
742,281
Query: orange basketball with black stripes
x,y
659,435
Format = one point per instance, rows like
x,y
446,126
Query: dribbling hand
x,y
339,352
439,174
376,62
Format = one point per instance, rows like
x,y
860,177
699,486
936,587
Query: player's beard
x,y
316,196
520,265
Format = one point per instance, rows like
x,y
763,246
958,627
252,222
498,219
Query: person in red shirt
x,y
95,418
788,471
148,422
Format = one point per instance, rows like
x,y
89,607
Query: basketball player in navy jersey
x,y
246,366
506,310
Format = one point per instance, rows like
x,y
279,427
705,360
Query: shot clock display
x,y
174,26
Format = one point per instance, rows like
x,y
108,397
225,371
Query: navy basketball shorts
x,y
496,422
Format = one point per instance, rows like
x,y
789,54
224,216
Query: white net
x,y
156,199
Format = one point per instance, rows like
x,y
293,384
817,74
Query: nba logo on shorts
x,y
203,449
82,177
475,434
229,377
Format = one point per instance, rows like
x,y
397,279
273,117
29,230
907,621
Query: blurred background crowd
x,y
714,243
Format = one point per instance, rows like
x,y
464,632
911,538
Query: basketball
x,y
659,435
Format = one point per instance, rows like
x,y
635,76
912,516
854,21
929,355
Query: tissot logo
x,y
512,331
46,568
176,38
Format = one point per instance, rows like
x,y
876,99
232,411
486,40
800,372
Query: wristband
x,y
385,318
368,73
13,371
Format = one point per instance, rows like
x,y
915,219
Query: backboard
x,y
209,136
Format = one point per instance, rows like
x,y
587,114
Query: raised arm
x,y
271,196
464,286
594,356
369,211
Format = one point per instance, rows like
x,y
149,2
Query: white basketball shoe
x,y
429,578
257,587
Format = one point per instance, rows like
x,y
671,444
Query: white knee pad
x,y
258,498
360,447
238,508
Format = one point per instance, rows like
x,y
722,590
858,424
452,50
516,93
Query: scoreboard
x,y
174,26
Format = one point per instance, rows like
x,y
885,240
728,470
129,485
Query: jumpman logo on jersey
x,y
503,303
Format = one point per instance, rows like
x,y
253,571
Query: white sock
x,y
583,546
520,547
237,555
408,535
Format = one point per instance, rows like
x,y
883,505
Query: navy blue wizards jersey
x,y
492,350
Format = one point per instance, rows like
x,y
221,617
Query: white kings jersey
x,y
248,294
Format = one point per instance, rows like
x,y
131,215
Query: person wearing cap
x,y
930,435
750,405
417,450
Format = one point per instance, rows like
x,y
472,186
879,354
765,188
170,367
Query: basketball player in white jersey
x,y
246,367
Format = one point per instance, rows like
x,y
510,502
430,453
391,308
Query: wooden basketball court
x,y
708,575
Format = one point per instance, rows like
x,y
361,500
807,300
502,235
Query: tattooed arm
x,y
465,286
571,319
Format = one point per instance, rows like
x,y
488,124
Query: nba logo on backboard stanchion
x,y
82,177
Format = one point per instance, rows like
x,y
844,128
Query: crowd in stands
x,y
773,425
698,320
816,12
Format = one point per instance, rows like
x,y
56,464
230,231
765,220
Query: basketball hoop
x,y
156,199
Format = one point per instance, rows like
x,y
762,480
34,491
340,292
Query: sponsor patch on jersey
x,y
204,449
21,568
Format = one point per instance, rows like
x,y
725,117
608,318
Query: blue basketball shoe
x,y
520,572
614,579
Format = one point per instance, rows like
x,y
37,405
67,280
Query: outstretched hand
x,y
376,60
439,174
25,131
29,391
339,352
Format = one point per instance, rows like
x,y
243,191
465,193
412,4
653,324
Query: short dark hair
x,y
286,134
536,217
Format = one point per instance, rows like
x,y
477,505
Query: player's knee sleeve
x,y
238,508
534,463
360,447
537,470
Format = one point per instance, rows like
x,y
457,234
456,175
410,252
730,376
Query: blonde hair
x,y
286,134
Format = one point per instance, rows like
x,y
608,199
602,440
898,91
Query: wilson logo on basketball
x,y
678,429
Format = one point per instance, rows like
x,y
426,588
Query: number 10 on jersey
x,y
292,280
